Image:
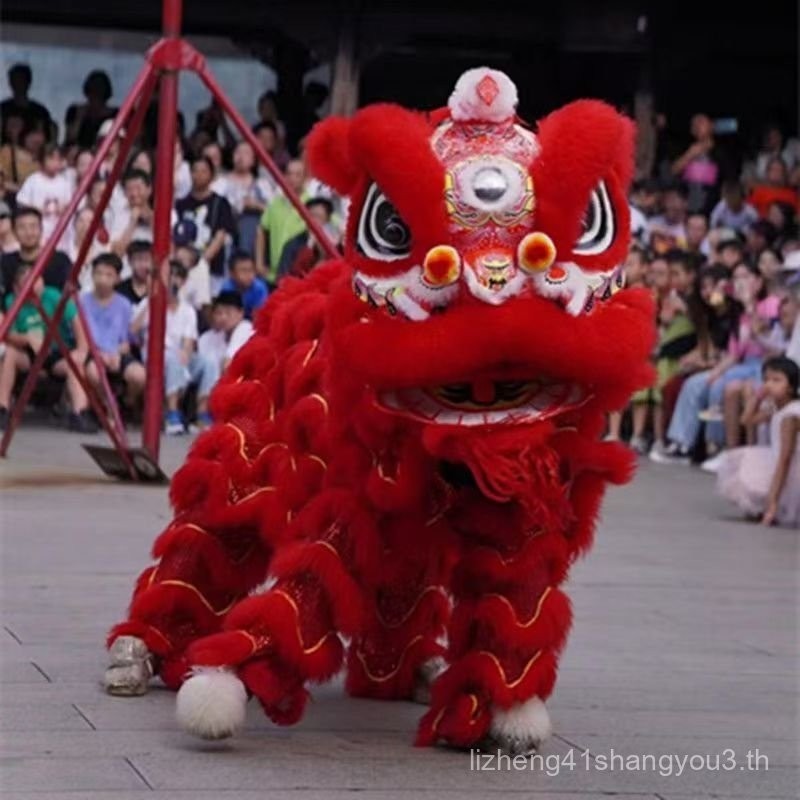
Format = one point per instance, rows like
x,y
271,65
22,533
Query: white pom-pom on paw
x,y
483,94
211,704
521,728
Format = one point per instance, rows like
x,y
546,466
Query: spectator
x,y
774,188
772,147
27,224
303,253
782,217
197,289
211,215
213,152
134,220
26,338
730,252
677,337
770,265
636,265
268,113
213,122
229,330
742,362
697,233
20,105
732,211
48,190
667,231
636,269
700,166
80,229
16,162
183,172
143,162
140,260
280,223
75,174
8,242
268,137
247,195
775,339
183,366
764,481
246,283
760,236
108,315
83,121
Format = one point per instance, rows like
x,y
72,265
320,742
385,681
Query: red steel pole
x,y
164,190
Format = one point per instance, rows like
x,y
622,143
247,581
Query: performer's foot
x,y
521,729
130,667
427,673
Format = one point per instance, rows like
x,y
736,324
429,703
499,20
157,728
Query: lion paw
x,y
130,667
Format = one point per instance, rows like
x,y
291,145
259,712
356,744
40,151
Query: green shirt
x,y
29,319
282,222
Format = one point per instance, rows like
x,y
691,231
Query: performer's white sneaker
x,y
130,667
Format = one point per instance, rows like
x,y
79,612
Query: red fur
x,y
306,480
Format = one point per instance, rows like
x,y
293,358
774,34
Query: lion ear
x,y
329,156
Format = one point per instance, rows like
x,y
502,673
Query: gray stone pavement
x,y
685,643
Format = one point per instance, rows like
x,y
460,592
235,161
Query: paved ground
x,y
685,644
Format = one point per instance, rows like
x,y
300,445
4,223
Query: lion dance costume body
x,y
406,457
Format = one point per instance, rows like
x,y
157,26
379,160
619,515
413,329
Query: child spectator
x,y
140,259
246,283
26,338
677,337
48,190
732,211
212,216
183,366
197,289
108,315
764,481
229,330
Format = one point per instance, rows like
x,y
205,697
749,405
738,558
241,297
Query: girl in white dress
x,y
764,481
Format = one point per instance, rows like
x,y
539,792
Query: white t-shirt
x,y
51,197
216,346
181,324
197,289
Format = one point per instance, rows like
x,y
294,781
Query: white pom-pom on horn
x,y
211,704
483,94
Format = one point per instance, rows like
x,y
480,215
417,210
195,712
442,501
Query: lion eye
x,y
599,225
382,233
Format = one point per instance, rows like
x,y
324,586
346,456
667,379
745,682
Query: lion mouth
x,y
485,402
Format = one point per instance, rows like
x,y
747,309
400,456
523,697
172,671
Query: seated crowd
x,y
234,238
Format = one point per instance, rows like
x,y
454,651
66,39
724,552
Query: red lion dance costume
x,y
406,456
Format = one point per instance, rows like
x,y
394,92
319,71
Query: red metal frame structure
x,y
163,63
